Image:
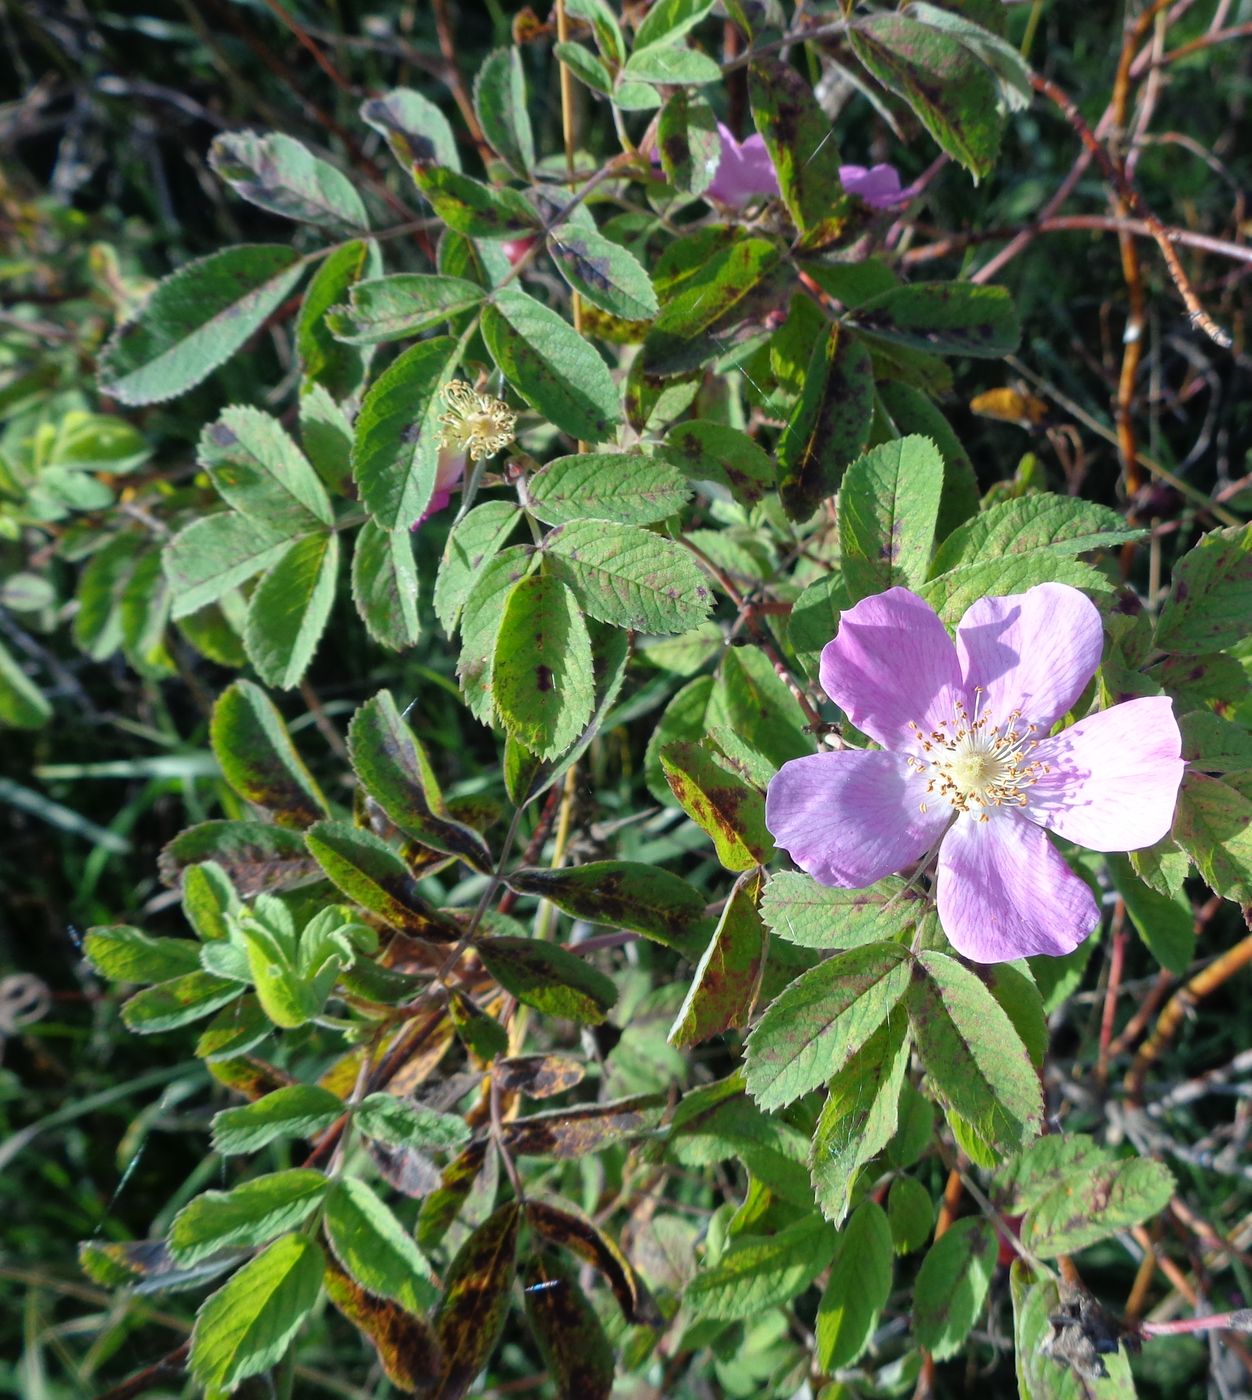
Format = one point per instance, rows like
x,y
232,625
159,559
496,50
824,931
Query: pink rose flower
x,y
448,474
967,768
745,170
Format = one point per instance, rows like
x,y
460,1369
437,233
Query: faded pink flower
x,y
448,474
967,767
746,170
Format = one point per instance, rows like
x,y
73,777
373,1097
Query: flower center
x,y
974,763
474,423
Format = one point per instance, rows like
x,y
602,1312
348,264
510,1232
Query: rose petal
x,y
744,171
892,662
878,186
1114,779
850,818
1004,892
1033,652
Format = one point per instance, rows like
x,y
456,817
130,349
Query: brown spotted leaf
x,y
542,675
442,1206
537,1076
570,1133
407,1350
830,424
476,1302
730,810
394,769
550,978
563,1225
255,855
572,1342
724,988
623,894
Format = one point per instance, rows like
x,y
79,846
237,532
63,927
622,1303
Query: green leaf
x,y
571,1340
558,372
858,1289
395,453
830,424
603,272
541,673
472,544
628,576
279,174
670,65
1211,744
468,206
195,320
811,915
948,318
247,1325
626,488
1084,1208
22,703
604,26
294,1111
688,142
329,363
549,978
709,451
258,758
249,1215
977,1064
484,605
668,20
585,66
385,586
289,609
860,1116
953,94
104,583
401,305
1165,923
1210,599
621,893
888,506
951,594
178,1002
326,435
803,150
1213,825
728,810
394,769
415,129
476,1301
375,1249
402,1123
1026,1180
911,412
952,1286
910,1213
125,954
209,901
1041,524
500,102
822,1019
758,1273
210,557
726,980
713,295
760,708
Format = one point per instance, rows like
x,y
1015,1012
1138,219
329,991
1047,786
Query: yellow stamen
x,y
475,423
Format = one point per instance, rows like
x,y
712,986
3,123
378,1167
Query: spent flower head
x,y
475,424
969,769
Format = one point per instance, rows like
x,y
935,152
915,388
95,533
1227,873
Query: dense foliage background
x,y
1098,403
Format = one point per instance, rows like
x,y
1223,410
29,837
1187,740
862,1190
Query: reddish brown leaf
x,y
724,987
476,1302
537,1076
575,1349
406,1345
573,1132
248,1076
573,1231
442,1206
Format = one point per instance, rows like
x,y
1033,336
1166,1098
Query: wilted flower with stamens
x,y
967,767
475,423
